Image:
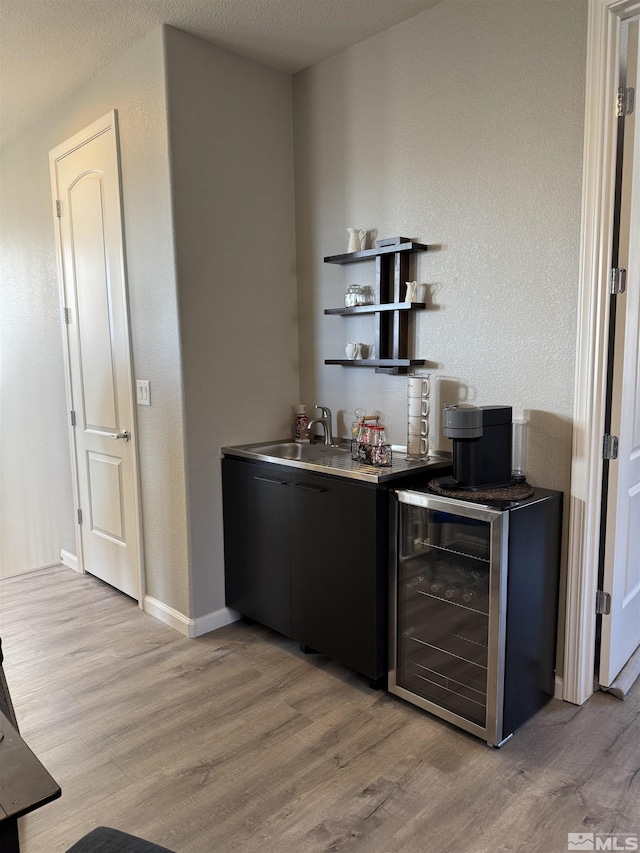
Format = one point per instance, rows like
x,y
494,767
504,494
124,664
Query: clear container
x,y
369,296
378,434
356,426
301,426
519,449
354,296
363,443
380,450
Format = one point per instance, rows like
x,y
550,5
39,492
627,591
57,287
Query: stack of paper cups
x,y
418,387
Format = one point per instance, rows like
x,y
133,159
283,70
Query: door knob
x,y
124,435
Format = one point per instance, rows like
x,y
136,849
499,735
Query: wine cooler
x,y
474,605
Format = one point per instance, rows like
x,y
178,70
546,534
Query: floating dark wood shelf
x,y
374,309
366,254
393,366
392,315
375,362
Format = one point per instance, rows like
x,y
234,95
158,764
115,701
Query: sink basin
x,y
302,452
329,459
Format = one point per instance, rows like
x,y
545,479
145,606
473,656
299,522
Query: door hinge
x,y
603,603
609,446
58,209
65,313
79,516
73,418
625,102
617,281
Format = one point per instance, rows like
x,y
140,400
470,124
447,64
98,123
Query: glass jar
x,y
363,443
354,296
380,450
368,295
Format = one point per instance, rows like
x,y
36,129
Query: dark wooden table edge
x,y
45,788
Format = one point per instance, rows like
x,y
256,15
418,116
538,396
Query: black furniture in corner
x,y
25,784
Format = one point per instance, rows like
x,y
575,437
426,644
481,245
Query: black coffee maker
x,y
481,446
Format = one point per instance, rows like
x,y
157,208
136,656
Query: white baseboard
x,y
69,560
217,619
29,571
559,688
186,626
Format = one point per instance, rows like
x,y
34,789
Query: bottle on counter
x,y
301,425
363,443
380,450
519,450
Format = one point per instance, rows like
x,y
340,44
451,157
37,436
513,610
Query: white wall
x,y
209,224
461,127
231,145
36,501
37,512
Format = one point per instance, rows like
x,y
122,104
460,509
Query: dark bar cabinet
x,y
474,606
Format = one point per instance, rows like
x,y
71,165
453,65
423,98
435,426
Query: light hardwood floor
x,y
237,742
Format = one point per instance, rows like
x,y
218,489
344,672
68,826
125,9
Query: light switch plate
x,y
143,390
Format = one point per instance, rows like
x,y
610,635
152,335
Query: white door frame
x,y
592,336
102,125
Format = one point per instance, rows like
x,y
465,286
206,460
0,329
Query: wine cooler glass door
x,y
444,648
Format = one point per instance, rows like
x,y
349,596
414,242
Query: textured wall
x,y
232,175
37,505
36,500
461,128
231,146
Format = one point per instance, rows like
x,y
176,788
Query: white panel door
x,y
621,629
86,185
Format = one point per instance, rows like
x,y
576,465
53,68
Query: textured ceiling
x,y
49,48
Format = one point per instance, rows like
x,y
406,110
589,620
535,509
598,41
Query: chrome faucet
x,y
325,420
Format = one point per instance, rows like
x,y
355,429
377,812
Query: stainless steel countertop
x,y
337,463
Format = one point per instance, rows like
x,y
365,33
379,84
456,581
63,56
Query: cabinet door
x,y
336,590
256,542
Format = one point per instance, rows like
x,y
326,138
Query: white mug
x,y
353,350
